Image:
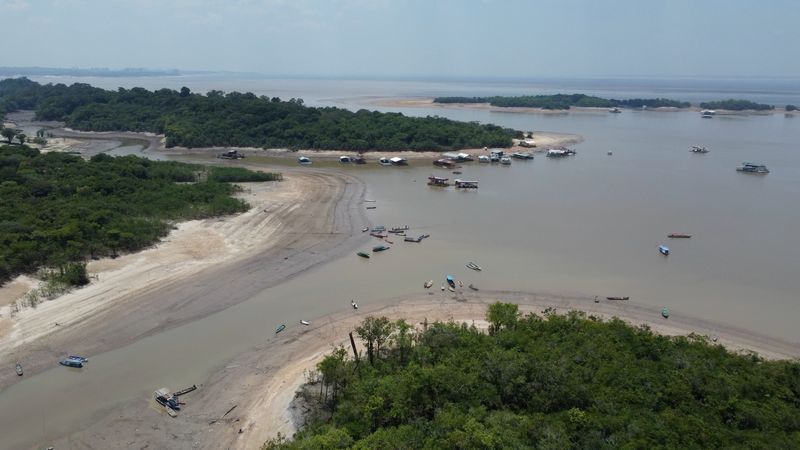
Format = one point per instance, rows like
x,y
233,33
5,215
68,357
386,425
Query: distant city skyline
x,y
411,38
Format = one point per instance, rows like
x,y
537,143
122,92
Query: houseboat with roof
x,y
465,184
752,168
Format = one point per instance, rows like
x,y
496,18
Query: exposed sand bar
x,y
261,383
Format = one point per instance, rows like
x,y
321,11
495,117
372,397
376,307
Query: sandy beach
x,y
260,384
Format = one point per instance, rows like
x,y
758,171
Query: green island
x,y
553,381
737,105
565,101
243,119
59,209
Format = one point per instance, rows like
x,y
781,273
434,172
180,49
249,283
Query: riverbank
x,y
261,384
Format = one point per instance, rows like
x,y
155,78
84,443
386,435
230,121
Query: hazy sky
x,y
518,38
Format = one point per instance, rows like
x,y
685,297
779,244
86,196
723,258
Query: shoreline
x,y
261,383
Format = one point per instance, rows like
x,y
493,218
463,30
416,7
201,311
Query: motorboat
x,y
752,168
304,160
665,312
473,266
663,249
699,149
345,160
617,298
280,328
380,248
484,159
614,110
397,161
71,363
438,181
305,322
384,161
505,160
451,281
363,254
80,359
473,287
18,368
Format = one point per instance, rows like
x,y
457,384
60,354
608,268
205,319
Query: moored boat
x,y
483,159
305,322
464,184
167,399
78,358
665,312
679,236
617,298
752,168
304,160
451,281
473,266
280,328
663,249
18,368
428,284
698,149
379,248
363,254
71,363
505,160
354,304
522,155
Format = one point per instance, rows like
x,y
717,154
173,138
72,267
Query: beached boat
x,y
529,143
698,149
280,328
345,159
305,322
522,155
446,163
304,160
473,287
494,158
473,266
505,160
384,161
354,304
663,249
365,229
397,161
363,254
484,159
679,236
428,284
412,239
18,368
71,363
665,312
617,298
380,248
451,288
614,110
78,358
167,399
438,181
451,281
752,168
358,160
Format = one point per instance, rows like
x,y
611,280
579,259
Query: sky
x,y
438,38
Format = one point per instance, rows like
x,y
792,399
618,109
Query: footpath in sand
x,y
260,385
177,281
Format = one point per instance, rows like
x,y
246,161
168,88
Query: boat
x,y
473,266
428,284
365,229
457,172
379,235
460,283
473,287
679,236
522,155
363,254
80,359
529,143
505,160
399,229
371,207
359,160
483,159
665,312
463,184
663,249
451,288
280,328
305,322
304,160
438,181
387,240
412,239
752,168
166,399
698,149
345,160
614,110
354,304
397,161
707,113
451,281
609,153
378,228
380,248
18,367
442,288
384,161
617,298
446,163
560,152
71,363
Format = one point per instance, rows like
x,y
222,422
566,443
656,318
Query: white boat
x,y
663,249
384,161
344,159
699,149
354,304
505,160
305,322
614,110
484,159
397,161
752,168
304,160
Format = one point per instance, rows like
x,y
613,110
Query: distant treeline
x,y
60,209
565,101
245,120
736,105
91,72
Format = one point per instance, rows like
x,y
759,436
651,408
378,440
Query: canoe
x,y
451,281
618,298
354,304
663,249
19,369
665,312
305,322
363,255
679,236
280,328
473,266
428,284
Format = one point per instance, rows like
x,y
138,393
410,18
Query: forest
x,y
549,381
59,210
243,119
736,105
565,101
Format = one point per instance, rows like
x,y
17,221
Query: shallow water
x,y
587,225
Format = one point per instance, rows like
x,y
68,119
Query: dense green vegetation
x,y
236,119
565,101
736,105
58,209
791,108
552,382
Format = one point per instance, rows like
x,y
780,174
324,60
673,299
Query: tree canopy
x,y
565,101
243,119
736,105
59,208
553,382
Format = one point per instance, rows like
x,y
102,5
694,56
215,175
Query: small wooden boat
x,y
363,255
663,249
665,312
19,369
305,322
618,298
451,281
679,236
280,328
354,304
380,248
71,363
412,239
473,266
473,287
428,284
80,359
